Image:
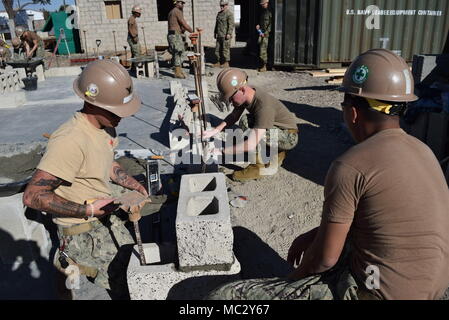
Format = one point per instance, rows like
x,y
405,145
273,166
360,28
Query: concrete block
x,y
13,231
63,71
161,280
39,73
203,223
174,86
12,99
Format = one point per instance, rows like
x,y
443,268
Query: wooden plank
x,y
336,81
341,70
318,74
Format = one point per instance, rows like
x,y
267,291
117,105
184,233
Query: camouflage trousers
x,y
176,48
134,47
286,140
223,50
263,49
106,248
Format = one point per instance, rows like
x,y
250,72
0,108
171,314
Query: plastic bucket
x,y
30,83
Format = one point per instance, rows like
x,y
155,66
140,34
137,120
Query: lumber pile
x,y
335,76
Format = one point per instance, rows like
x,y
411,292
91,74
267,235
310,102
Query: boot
x,y
179,74
225,65
263,68
273,166
251,172
216,65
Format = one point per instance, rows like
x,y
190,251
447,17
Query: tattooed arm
x,y
120,177
39,195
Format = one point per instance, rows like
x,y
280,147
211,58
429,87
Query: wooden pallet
x,y
323,74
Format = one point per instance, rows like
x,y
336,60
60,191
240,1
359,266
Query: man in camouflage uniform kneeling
x,y
73,180
269,123
224,28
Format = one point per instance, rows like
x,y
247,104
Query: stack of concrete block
x,y
14,224
9,80
203,223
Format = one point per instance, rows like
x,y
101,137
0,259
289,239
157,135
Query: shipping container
x,y
327,33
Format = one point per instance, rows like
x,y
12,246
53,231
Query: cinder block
x,y
203,223
161,280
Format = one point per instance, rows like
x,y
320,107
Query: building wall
x,y
93,20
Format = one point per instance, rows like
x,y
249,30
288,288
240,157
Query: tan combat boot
x,y
273,166
251,172
225,65
179,74
263,68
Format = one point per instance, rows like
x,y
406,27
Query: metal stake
x,y
115,44
85,44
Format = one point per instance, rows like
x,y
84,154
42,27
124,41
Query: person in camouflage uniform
x,y
177,26
268,123
224,28
73,180
31,42
264,29
133,32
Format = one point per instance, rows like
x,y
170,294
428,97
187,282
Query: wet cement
x,y
19,167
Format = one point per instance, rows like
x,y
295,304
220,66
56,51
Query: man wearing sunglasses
x,y
383,232
268,121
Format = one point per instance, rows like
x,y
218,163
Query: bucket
x,y
30,83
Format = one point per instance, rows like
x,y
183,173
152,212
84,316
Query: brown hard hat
x,y
19,31
380,74
106,84
137,9
16,42
229,81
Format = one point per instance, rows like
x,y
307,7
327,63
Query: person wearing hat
x,y
33,44
224,28
383,232
268,122
72,181
133,32
264,30
176,28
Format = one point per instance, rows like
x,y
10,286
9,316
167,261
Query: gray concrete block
x,y
203,223
161,280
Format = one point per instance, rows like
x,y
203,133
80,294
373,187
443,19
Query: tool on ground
x,y
85,44
133,202
144,40
98,43
115,43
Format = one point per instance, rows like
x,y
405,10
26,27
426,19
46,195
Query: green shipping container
x,y
58,22
326,33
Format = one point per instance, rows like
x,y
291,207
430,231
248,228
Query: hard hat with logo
x,y
19,31
16,42
137,9
224,2
107,85
229,81
380,74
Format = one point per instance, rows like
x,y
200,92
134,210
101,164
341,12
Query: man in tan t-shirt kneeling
x,y
268,122
384,228
72,181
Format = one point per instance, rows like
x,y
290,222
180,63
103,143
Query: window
x,y
163,8
113,9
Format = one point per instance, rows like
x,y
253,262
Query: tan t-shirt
x,y
270,112
176,21
393,191
132,27
82,155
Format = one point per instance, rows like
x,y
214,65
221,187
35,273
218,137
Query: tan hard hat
x,y
137,9
382,75
224,2
106,84
229,81
19,31
16,42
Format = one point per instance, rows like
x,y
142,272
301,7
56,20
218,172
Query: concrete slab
x,y
63,72
162,280
12,100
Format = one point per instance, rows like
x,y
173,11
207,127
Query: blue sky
x,y
55,4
